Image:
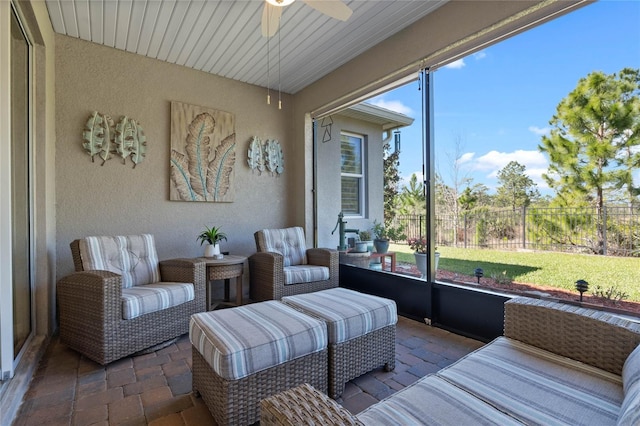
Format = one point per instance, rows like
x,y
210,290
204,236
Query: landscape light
x,y
582,286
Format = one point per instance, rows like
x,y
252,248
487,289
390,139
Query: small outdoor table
x,y
230,266
392,259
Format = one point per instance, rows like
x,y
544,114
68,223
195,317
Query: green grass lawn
x,y
560,270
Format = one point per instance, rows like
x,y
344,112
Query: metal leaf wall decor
x,y
256,155
203,154
266,155
98,136
130,141
102,138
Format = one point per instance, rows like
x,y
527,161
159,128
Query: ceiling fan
x,y
273,10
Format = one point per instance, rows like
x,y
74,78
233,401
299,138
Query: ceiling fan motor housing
x,y
281,3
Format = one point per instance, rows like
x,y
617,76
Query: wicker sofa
x,y
555,364
122,300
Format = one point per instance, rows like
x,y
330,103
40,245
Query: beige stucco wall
x,y
116,199
329,184
44,179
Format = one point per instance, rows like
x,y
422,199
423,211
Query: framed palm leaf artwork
x,y
203,156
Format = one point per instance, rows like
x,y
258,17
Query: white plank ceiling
x,y
224,38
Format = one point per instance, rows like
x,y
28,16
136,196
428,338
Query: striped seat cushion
x,y
133,257
305,274
348,313
144,299
240,341
433,401
630,412
537,386
289,242
631,370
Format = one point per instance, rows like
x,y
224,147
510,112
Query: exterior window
x,y
352,173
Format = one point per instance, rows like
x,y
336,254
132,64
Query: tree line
x,y
593,149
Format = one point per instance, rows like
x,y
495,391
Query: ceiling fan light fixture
x,y
280,3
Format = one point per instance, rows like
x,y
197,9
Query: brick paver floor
x,y
155,388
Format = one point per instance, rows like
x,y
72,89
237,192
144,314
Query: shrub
x,y
611,293
502,278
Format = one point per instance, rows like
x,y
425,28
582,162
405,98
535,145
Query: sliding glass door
x,y
20,186
17,310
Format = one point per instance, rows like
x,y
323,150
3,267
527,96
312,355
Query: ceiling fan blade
x,y
333,8
270,19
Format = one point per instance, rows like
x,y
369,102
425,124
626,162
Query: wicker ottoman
x,y
362,331
245,354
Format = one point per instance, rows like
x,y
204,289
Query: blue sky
x,y
496,104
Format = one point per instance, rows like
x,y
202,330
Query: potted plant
x,y
212,236
419,247
365,237
383,233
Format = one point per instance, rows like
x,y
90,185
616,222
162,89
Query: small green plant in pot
x,y
384,233
212,236
365,237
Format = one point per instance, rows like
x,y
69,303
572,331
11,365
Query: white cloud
x,y
460,63
541,131
393,105
536,176
466,157
404,180
492,162
456,64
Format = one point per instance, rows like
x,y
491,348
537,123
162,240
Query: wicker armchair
x,y
284,266
121,300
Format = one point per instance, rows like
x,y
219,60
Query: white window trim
x,y
362,176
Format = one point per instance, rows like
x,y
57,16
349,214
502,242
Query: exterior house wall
x,y
329,184
117,199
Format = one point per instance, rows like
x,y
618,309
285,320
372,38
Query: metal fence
x,y
616,232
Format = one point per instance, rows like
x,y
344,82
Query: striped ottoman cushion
x,y
240,341
348,313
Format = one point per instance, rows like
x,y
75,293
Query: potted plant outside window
x,y
365,237
384,233
212,236
419,247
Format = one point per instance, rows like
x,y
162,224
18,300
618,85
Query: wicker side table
x,y
228,267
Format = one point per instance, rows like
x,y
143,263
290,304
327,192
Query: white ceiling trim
x,y
224,38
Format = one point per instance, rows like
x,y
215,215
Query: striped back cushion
x,y
133,257
289,242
